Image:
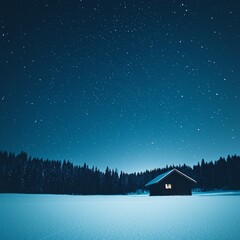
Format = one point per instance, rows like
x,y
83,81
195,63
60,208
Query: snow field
x,y
119,217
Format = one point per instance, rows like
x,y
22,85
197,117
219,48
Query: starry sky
x,y
133,84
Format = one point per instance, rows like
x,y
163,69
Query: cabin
x,y
172,182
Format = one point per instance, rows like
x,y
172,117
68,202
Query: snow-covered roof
x,y
163,175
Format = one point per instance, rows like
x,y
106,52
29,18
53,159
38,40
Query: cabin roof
x,y
160,177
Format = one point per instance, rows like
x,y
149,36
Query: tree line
x,y
23,174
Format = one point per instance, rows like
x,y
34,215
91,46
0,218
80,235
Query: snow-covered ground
x,y
201,216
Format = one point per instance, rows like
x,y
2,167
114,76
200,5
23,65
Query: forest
x,y
23,174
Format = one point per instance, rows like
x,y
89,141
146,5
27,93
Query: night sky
x,y
132,85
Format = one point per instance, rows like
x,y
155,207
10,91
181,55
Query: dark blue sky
x,y
125,84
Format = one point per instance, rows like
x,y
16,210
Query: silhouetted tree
x,y
23,174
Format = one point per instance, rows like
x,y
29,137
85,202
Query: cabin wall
x,y
180,186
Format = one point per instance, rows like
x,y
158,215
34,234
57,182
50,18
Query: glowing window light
x,y
168,186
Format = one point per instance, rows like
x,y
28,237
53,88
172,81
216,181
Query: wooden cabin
x,y
172,182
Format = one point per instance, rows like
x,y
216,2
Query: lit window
x,y
168,186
